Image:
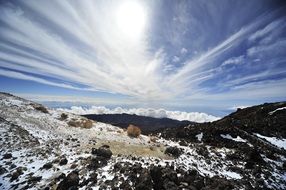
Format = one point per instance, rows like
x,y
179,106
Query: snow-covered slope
x,y
43,148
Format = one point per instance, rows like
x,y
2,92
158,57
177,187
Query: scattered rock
x,y
64,116
63,161
102,151
73,166
93,163
47,166
284,166
125,185
16,174
7,156
39,107
69,182
3,170
173,151
203,151
35,179
93,177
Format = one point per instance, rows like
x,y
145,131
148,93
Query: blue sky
x,y
207,56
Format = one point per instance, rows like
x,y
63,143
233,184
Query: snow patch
x,y
237,139
233,175
281,143
200,136
278,109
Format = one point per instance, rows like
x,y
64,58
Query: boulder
x,y
102,152
71,181
93,163
63,161
16,174
34,179
47,166
173,151
2,170
7,156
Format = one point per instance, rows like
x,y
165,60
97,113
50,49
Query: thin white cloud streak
x,y
74,100
252,91
273,48
252,79
157,113
22,76
268,29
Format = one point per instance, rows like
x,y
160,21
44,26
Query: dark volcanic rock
x,y
7,156
125,185
145,181
69,182
102,151
253,157
203,151
63,161
47,166
93,163
16,174
2,170
284,166
173,151
34,179
39,107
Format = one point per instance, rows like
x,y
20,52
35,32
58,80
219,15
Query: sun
x,y
131,19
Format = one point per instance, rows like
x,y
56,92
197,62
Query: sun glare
x,y
131,19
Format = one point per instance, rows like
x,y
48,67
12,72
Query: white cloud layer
x,y
157,113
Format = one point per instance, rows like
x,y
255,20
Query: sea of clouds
x,y
150,112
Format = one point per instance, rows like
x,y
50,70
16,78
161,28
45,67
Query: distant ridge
x,y
147,124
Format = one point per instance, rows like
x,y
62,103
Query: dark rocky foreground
x,y
260,156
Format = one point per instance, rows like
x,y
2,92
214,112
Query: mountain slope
x,y
257,134
43,148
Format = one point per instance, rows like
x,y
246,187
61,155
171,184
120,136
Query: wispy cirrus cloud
x,y
81,47
234,61
78,45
